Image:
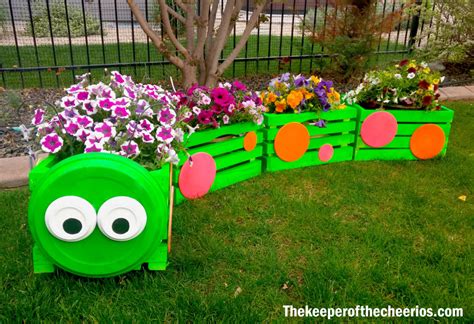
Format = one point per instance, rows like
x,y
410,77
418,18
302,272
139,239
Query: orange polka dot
x,y
291,142
427,141
250,141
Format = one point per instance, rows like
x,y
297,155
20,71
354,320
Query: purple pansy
x,y
301,81
51,143
165,134
38,117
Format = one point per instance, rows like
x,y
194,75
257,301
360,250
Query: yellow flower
x,y
333,96
426,70
411,65
436,81
339,106
280,105
294,99
315,79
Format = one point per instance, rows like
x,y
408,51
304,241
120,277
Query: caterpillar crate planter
x,y
218,158
402,134
98,215
292,142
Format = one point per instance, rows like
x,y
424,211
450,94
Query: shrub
x,y
59,22
350,34
451,31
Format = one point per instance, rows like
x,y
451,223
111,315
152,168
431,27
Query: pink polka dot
x,y
379,129
326,152
196,178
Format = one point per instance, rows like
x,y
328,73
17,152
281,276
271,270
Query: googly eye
x,y
121,218
70,218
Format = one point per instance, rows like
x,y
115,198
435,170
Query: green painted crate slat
x,y
219,148
273,163
331,128
226,146
445,115
315,143
340,132
282,119
408,122
230,176
202,137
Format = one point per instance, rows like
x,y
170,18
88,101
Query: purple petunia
x,y
166,117
120,112
51,143
222,97
106,128
165,134
38,117
129,148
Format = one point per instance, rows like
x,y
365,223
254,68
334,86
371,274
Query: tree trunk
x,y
189,73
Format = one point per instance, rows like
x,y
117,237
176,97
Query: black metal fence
x,y
45,43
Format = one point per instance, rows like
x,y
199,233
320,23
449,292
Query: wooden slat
x,y
315,143
202,137
331,128
273,163
275,119
445,115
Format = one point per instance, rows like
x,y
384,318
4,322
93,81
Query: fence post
x,y
415,22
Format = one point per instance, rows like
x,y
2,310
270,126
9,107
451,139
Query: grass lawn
x,y
261,47
368,233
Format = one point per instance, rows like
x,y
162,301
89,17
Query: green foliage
x,y
345,38
453,29
3,17
59,23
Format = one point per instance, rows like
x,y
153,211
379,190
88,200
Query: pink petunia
x,y
51,143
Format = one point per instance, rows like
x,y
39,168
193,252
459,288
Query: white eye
x,y
121,218
70,218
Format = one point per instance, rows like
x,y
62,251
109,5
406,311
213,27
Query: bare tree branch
x,y
210,27
243,39
169,31
176,15
155,38
219,41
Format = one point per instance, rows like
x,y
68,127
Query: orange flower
x,y
280,106
294,99
334,96
271,97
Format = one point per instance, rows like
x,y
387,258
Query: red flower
x,y
403,62
411,70
222,97
423,84
427,100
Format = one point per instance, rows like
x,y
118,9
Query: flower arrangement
x,y
134,120
223,105
407,85
296,94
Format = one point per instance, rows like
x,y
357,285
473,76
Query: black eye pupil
x,y
72,226
120,226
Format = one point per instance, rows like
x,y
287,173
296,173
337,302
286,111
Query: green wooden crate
x,y
226,146
408,121
340,132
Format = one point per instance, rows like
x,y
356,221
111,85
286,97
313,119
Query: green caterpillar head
x,y
98,215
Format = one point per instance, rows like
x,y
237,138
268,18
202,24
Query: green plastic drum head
x,y
98,215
